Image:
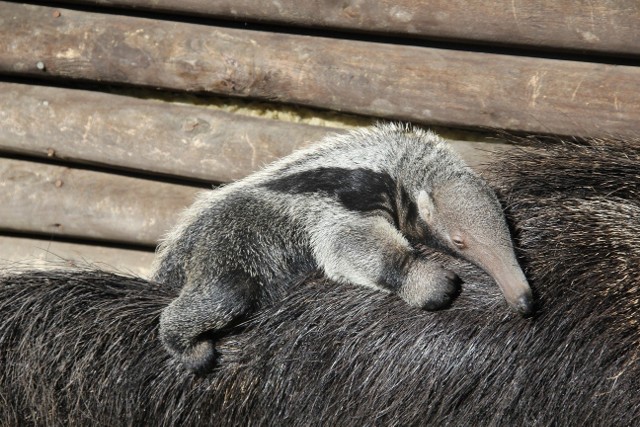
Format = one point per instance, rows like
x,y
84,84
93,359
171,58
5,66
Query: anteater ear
x,y
425,206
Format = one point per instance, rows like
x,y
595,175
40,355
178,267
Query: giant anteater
x,y
82,347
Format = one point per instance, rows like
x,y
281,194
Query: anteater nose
x,y
524,304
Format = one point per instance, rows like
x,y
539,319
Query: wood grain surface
x,y
427,85
155,137
19,254
606,26
141,134
55,200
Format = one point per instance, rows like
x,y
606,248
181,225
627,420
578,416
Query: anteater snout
x,y
512,282
524,304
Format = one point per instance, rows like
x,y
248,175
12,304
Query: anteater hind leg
x,y
187,324
371,252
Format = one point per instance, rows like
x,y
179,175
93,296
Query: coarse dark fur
x,y
82,348
353,207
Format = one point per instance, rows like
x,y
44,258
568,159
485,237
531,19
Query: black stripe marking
x,y
361,190
357,189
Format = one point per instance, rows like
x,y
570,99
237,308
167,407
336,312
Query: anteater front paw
x,y
430,287
199,356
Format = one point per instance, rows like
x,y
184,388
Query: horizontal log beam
x,y
147,135
25,253
420,84
153,136
609,26
56,200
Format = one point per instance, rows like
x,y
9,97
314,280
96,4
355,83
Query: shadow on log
x,y
81,347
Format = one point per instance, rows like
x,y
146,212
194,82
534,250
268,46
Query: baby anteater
x,y
353,207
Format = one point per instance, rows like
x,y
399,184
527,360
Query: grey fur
x,y
352,206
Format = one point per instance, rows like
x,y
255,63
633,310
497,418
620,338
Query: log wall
x,y
114,113
404,82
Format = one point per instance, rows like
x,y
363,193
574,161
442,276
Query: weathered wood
x,y
153,136
609,26
26,253
148,135
429,85
73,202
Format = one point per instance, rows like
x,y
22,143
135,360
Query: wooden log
x,y
18,253
608,27
411,83
147,135
152,136
79,203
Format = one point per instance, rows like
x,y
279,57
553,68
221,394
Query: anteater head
x,y
465,215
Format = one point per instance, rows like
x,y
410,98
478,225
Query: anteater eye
x,y
457,240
